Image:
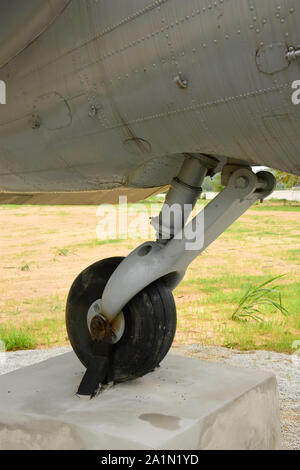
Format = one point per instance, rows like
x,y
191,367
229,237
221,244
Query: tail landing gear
x,y
121,315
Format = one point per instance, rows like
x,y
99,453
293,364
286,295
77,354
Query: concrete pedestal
x,y
186,404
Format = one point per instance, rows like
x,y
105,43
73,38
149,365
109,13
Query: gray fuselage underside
x,y
93,102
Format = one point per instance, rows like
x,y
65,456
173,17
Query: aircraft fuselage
x,y
112,93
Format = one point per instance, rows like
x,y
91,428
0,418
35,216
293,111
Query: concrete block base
x,y
186,404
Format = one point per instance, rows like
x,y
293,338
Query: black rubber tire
x,y
150,323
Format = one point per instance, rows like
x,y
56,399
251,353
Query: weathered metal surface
x,y
23,22
96,101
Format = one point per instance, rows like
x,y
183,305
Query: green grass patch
x,y
207,319
18,338
7,207
41,323
291,255
277,205
258,299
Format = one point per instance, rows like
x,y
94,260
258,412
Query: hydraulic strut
x,y
178,243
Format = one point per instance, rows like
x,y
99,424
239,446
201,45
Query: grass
x,y
62,252
25,267
276,205
205,314
17,338
257,299
260,246
45,327
94,243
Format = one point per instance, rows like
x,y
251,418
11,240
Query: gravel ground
x,y
285,367
15,360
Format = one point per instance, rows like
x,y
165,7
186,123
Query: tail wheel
x,y
148,324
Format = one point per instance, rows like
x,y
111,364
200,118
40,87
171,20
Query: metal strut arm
x,y
155,260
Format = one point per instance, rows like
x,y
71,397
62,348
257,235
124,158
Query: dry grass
x,y
44,248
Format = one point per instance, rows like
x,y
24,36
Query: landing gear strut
x,y
121,315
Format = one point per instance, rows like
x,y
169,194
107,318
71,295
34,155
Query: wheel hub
x,y
101,329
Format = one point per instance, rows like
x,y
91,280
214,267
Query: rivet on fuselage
x,y
181,82
35,121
